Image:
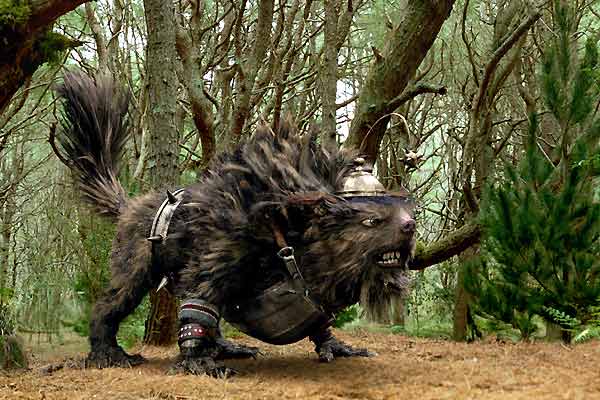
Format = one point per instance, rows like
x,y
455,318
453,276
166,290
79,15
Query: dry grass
x,y
406,368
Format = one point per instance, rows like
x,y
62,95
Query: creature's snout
x,y
408,225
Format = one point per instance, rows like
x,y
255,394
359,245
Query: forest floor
x,y
406,368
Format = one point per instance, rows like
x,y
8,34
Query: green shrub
x,y
346,316
12,353
541,224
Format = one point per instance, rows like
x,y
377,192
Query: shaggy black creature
x,y
223,238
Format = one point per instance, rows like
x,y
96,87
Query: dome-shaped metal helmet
x,y
360,182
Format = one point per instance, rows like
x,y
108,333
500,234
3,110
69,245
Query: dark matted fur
x,y
220,245
97,133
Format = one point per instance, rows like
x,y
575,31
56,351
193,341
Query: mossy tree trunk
x,y
28,42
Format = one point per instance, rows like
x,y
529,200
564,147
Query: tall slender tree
x,y
163,141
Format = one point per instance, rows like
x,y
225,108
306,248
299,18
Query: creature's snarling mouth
x,y
392,259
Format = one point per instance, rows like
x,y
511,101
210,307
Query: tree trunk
x,y
453,244
392,70
163,146
328,76
11,174
460,320
161,323
7,212
248,71
189,53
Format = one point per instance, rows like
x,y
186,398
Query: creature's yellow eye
x,y
370,222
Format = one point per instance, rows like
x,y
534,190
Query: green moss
x,y
13,13
52,46
420,247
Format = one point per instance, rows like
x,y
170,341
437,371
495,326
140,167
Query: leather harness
x,y
281,314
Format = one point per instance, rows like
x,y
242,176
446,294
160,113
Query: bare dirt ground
x,y
406,368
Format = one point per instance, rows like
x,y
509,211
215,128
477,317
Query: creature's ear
x,y
304,209
295,206
310,203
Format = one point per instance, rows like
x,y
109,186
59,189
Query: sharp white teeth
x,y
391,257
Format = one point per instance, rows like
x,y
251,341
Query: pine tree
x,y
541,248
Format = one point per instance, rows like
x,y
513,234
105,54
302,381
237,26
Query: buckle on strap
x,y
287,255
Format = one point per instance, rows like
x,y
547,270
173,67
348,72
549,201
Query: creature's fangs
x,y
391,259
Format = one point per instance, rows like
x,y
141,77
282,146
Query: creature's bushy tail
x,y
92,138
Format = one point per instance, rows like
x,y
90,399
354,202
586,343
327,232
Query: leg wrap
x,y
199,325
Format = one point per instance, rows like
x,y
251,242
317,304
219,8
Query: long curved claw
x,y
230,350
202,366
112,357
333,348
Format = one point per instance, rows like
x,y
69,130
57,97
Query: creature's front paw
x,y
230,350
201,366
333,348
112,357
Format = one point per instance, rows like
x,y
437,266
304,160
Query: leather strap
x,y
162,219
286,253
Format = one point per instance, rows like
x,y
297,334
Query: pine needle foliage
x,y
541,224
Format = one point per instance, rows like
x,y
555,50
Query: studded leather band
x,y
191,332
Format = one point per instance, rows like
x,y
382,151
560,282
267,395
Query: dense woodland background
x,y
442,95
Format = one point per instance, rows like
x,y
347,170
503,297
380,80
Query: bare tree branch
x,y
413,91
406,48
452,245
20,57
492,65
44,12
463,35
249,70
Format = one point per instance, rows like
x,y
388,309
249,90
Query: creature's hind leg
x,y
201,344
131,280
